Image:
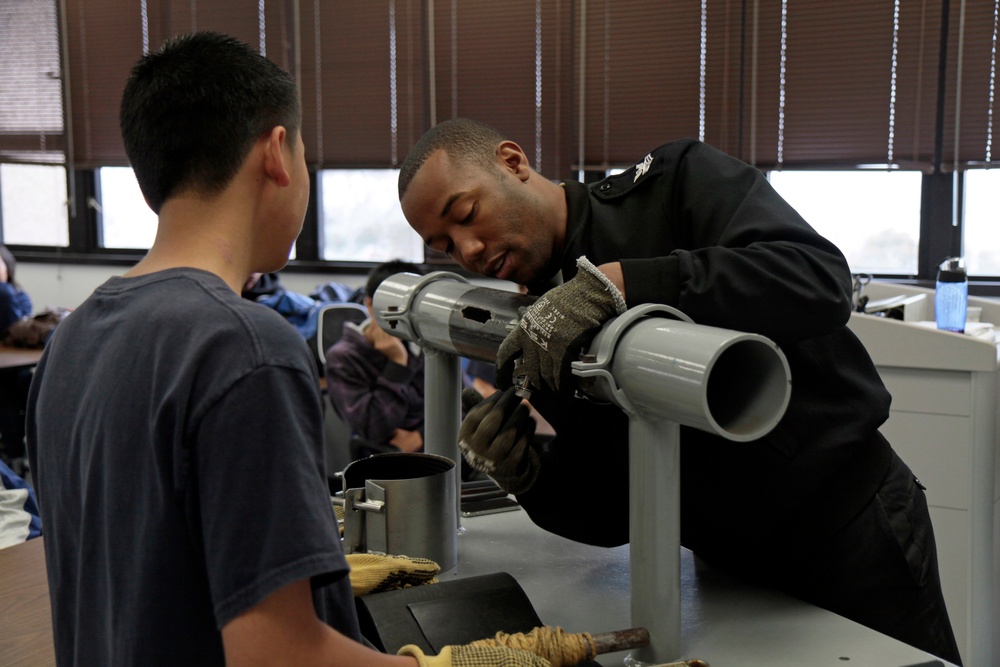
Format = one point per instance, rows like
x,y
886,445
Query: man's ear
x,y
513,159
274,156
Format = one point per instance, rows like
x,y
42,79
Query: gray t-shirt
x,y
175,433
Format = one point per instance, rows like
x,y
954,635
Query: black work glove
x,y
495,438
554,329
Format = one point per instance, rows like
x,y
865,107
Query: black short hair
x,y
386,269
469,141
191,111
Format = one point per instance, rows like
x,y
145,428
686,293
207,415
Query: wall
x,y
70,284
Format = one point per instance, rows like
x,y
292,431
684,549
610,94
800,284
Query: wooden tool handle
x,y
623,640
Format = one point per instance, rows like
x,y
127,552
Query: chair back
x,y
336,431
330,325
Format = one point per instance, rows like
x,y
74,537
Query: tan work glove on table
x,y
475,656
374,573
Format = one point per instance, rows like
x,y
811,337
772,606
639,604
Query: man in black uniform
x,y
821,507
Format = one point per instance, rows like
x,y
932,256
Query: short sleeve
x,y
263,500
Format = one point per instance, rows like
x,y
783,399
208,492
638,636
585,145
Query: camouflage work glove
x,y
475,656
554,329
495,438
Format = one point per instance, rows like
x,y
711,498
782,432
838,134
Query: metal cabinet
x,y
943,423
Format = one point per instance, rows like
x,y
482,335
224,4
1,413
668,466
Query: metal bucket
x,y
403,504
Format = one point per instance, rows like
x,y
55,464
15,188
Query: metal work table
x,y
724,621
575,586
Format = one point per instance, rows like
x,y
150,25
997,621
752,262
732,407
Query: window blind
x,y
849,70
362,85
638,64
104,40
571,80
506,64
31,102
799,83
107,37
970,60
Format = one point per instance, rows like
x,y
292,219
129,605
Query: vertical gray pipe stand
x,y
443,413
449,318
655,536
443,403
664,371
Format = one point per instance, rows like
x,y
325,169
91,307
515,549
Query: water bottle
x,y
951,298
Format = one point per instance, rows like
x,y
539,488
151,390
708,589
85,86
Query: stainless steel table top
x,y
725,621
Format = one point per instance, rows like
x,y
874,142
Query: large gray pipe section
x,y
448,317
445,312
665,371
656,364
653,363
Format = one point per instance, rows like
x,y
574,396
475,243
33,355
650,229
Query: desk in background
x,y
18,357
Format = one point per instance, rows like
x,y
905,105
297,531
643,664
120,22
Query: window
x,y
982,227
360,217
34,205
126,219
872,216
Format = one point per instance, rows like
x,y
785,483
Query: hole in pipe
x,y
480,315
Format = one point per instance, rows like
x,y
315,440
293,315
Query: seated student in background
x,y
19,520
15,304
376,381
14,301
301,310
260,285
176,428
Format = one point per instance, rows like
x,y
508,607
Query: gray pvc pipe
x,y
442,404
443,311
734,384
443,413
665,372
655,537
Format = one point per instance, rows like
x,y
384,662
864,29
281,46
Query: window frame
x,y
936,240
